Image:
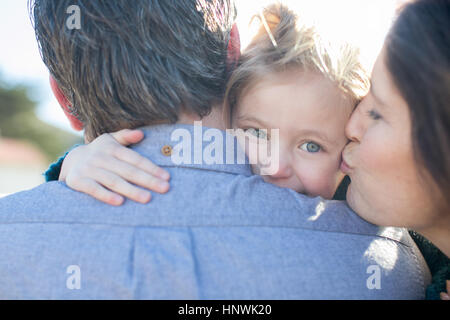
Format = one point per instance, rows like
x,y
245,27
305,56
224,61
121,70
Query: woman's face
x,y
386,188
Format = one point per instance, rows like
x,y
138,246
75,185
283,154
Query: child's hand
x,y
446,295
106,163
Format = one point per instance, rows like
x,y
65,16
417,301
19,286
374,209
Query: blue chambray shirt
x,y
219,233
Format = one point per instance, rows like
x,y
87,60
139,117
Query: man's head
x,y
136,63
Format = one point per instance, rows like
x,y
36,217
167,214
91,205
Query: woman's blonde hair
x,y
283,43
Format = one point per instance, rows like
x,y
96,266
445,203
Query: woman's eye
x,y
310,147
374,115
259,133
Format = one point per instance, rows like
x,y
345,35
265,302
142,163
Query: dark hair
x,y
418,59
135,63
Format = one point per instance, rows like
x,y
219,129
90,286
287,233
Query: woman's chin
x,y
360,207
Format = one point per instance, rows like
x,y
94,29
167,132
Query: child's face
x,y
310,113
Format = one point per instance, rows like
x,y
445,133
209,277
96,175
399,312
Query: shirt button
x,y
166,150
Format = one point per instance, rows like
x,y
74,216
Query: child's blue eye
x,y
260,134
310,147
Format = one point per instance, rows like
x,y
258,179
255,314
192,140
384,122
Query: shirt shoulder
x,y
217,199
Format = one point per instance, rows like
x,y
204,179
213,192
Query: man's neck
x,y
213,120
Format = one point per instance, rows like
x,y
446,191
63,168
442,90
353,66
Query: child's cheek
x,y
258,155
318,181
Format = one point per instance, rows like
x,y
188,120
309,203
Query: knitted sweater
x,y
438,263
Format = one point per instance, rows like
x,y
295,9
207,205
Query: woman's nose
x,y
355,127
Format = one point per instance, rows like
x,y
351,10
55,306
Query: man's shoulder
x,y
21,205
299,227
218,199
255,202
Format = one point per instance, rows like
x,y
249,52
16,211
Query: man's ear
x,y
234,49
75,123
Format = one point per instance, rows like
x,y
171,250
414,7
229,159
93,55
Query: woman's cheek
x,y
376,155
368,192
382,180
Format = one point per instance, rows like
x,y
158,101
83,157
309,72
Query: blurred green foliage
x,y
18,120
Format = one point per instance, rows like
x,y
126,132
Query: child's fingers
x,y
143,163
119,185
126,136
135,175
95,190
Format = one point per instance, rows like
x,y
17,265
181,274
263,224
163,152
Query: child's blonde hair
x,y
282,43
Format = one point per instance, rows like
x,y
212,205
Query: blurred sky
x,y
362,22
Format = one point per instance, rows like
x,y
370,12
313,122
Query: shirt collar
x,y
189,146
